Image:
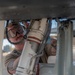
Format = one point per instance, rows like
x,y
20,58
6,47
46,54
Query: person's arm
x,y
11,62
12,65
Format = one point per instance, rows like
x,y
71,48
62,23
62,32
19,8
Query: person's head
x,y
51,46
15,34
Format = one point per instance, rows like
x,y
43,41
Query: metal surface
x,y
1,42
64,62
69,50
47,69
29,53
33,9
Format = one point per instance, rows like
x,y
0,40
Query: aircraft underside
x,y
26,9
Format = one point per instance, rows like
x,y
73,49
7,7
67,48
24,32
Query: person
x,y
15,34
49,49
